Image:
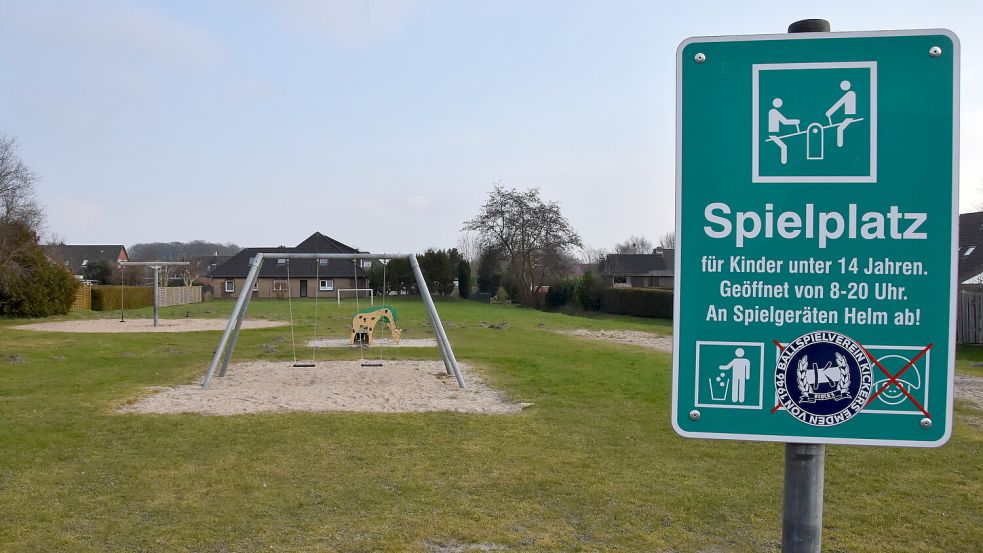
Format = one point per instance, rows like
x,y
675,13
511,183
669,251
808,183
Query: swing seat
x,y
367,364
304,365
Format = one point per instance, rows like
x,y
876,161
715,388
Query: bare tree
x,y
469,246
189,275
634,245
594,256
668,241
534,236
17,200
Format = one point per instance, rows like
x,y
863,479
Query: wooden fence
x,y
83,298
969,318
178,295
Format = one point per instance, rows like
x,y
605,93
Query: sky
x,y
381,123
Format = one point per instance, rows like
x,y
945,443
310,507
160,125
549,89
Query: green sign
x,y
816,224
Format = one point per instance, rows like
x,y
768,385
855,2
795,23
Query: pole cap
x,y
809,26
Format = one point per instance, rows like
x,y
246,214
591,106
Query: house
x,y
76,257
645,270
202,266
307,277
971,250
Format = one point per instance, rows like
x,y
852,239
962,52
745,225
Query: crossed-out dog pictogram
x,y
892,380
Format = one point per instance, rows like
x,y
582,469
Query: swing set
x,y
363,323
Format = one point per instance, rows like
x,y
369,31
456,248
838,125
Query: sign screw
x,y
935,51
926,423
700,57
694,415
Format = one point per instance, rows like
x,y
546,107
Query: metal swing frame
x,y
227,344
155,265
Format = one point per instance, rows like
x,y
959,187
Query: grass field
x,y
593,466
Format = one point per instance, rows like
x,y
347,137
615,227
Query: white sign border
x,y
756,69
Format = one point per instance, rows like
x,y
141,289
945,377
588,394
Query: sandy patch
x,y
381,343
970,388
627,337
94,326
397,387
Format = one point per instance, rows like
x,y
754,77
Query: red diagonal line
x,y
779,344
894,379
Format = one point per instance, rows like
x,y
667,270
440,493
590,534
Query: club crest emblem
x,y
823,378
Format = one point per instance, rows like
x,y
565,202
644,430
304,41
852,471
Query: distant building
x,y
645,270
971,250
307,277
202,266
76,257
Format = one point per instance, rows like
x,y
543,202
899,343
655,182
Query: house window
x,y
322,262
326,285
230,286
281,261
366,264
621,280
279,286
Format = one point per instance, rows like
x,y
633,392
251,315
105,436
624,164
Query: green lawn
x,y
593,466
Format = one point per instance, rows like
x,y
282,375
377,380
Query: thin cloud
x,y
114,30
346,22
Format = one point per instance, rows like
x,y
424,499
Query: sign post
x,y
816,224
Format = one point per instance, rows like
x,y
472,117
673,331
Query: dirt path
x,y
627,337
396,387
112,326
970,388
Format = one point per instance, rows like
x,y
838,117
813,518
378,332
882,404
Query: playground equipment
x,y
815,138
155,265
226,345
356,290
364,323
290,309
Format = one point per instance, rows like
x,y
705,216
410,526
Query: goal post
x,y
371,293
227,343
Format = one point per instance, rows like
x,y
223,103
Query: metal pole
x,y
446,350
247,287
239,306
802,502
121,273
802,496
156,293
422,285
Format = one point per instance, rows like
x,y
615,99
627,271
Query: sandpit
x,y
264,386
112,326
377,343
628,337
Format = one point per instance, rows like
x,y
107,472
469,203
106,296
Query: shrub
x,y
589,291
640,302
30,285
107,298
562,292
502,296
464,278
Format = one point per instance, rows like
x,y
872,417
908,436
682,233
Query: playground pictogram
x,y
815,122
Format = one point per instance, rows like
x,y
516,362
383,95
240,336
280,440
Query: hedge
x,y
107,298
640,302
